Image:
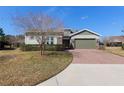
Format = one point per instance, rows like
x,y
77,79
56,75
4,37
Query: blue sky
x,y
103,20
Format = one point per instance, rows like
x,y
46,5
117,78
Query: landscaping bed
x,y
29,68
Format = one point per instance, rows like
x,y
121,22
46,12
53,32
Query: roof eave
x,y
82,30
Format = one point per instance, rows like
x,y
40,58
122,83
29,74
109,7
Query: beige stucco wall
x,y
85,36
30,41
56,40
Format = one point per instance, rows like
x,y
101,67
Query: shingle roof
x,y
116,39
68,29
41,33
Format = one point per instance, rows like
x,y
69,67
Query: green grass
x,y
29,68
115,50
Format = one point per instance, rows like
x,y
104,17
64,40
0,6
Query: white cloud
x,y
84,17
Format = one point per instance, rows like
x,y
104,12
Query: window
x,y
47,40
50,40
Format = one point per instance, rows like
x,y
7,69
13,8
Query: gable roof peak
x,y
83,30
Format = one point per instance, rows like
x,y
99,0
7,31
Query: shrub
x,y
29,47
123,46
101,47
37,48
54,47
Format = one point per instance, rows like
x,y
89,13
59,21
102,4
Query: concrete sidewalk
x,y
88,75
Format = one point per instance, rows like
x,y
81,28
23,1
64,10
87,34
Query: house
x,y
84,38
115,40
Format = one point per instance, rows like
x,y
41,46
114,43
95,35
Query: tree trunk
x,y
41,50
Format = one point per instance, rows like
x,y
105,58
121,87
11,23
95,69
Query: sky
x,y
105,20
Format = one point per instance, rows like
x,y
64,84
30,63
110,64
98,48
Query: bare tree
x,y
39,23
106,40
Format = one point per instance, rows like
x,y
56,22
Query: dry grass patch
x,y
115,50
29,68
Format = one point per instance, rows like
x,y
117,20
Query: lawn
x,y
115,50
29,68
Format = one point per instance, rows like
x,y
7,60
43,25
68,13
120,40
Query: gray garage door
x,y
85,43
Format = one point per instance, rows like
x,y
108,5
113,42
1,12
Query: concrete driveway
x,y
93,56
89,75
90,68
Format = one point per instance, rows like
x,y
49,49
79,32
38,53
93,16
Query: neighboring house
x,y
80,39
115,40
